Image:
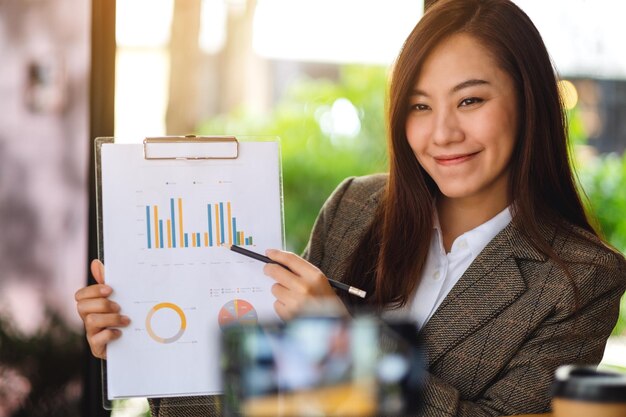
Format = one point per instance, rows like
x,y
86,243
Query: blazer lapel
x,y
490,284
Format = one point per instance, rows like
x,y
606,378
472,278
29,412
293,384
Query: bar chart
x,y
165,229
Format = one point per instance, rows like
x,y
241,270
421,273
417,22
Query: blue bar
x,y
173,223
148,224
222,223
208,209
236,239
186,240
198,240
247,241
161,233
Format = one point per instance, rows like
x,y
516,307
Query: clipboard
x,y
164,209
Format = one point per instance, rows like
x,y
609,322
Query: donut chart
x,y
178,334
235,312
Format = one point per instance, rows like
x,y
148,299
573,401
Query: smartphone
x,y
322,366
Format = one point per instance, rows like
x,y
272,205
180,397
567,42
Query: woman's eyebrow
x,y
418,92
465,84
468,83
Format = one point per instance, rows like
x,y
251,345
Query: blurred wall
x,y
44,80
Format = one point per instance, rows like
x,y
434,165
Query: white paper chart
x,y
165,227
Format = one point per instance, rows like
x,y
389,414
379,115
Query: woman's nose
x,y
446,128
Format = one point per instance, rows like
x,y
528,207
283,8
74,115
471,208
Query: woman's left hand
x,y
302,286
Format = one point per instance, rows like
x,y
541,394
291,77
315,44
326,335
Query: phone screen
x,y
322,366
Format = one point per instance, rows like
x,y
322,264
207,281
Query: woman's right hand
x,y
99,314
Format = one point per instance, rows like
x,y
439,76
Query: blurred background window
x,y
208,57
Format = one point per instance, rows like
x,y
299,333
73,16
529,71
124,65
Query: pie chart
x,y
235,312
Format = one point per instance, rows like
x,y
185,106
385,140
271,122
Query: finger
x,y
292,304
98,342
96,305
93,291
282,311
97,270
286,296
314,278
284,277
94,323
292,261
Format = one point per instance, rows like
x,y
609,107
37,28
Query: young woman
x,y
477,232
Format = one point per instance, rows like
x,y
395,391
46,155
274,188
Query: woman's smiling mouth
x,y
454,159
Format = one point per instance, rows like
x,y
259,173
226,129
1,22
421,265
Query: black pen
x,y
340,285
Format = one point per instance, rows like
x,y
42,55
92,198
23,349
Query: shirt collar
x,y
477,238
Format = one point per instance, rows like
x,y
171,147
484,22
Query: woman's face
x,y
462,122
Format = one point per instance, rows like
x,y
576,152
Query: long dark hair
x,y
389,259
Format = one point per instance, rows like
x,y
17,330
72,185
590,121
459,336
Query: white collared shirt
x,y
443,270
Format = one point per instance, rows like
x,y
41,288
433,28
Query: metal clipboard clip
x,y
190,147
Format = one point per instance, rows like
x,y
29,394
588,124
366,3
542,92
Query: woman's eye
x,y
420,107
471,100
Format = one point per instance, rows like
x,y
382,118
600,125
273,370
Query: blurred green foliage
x,y
316,158
603,179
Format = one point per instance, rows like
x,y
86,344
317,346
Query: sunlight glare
x,y
569,94
340,122
334,31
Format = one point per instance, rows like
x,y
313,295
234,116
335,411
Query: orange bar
x,y
157,243
217,224
180,223
169,233
206,239
241,238
193,240
230,225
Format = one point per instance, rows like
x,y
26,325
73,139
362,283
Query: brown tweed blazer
x,y
498,336
494,343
